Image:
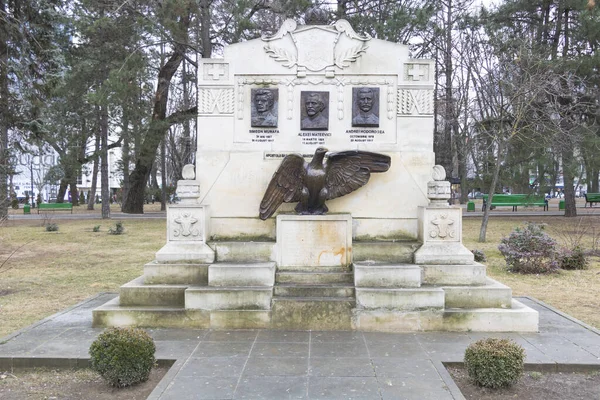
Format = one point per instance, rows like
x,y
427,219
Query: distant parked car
x,y
475,195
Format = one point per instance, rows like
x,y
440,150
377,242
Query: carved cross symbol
x,y
415,72
442,222
216,72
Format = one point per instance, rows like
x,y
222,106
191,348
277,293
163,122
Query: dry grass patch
x,y
573,292
50,271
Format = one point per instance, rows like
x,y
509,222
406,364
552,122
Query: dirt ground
x,y
83,384
534,386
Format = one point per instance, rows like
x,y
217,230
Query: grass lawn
x,y
50,271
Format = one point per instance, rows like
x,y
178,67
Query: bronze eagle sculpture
x,y
312,183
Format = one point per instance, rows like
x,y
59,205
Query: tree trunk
x,y
104,187
156,132
62,190
163,175
491,190
568,178
92,196
4,92
125,160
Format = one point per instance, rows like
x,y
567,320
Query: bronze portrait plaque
x,y
263,110
315,111
365,106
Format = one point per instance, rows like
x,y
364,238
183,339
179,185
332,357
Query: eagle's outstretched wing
x,y
285,186
349,170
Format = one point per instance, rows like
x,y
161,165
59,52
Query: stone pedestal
x,y
187,228
440,227
314,240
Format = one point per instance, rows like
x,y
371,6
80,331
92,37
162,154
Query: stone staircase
x,y
382,290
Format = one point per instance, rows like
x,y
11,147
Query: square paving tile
x,y
336,336
272,388
174,349
341,349
405,350
213,366
283,336
230,336
222,349
392,367
341,367
414,389
280,349
201,388
346,388
276,366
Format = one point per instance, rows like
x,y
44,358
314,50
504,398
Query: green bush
x,y
573,259
118,229
494,363
96,228
479,255
123,356
14,203
51,227
529,250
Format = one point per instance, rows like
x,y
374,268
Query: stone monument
x,y
386,257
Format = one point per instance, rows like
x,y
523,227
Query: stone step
x,y
406,299
314,268
491,295
228,298
247,251
112,314
326,313
372,274
175,274
472,274
242,274
396,252
517,318
333,290
137,293
314,278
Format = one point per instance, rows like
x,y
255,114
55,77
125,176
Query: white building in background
x,y
31,171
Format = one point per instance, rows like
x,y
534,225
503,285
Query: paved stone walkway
x,y
266,364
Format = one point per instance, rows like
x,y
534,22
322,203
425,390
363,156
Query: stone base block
x,y
314,240
518,318
248,274
235,319
375,275
333,290
112,314
193,252
233,252
472,274
228,298
314,278
313,314
398,252
492,295
443,253
175,274
400,299
136,293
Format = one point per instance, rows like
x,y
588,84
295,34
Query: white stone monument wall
x,y
236,160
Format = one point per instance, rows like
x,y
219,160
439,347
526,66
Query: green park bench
x,y
515,200
592,198
55,207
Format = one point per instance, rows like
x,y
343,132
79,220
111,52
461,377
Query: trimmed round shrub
x,y
123,356
529,250
494,363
